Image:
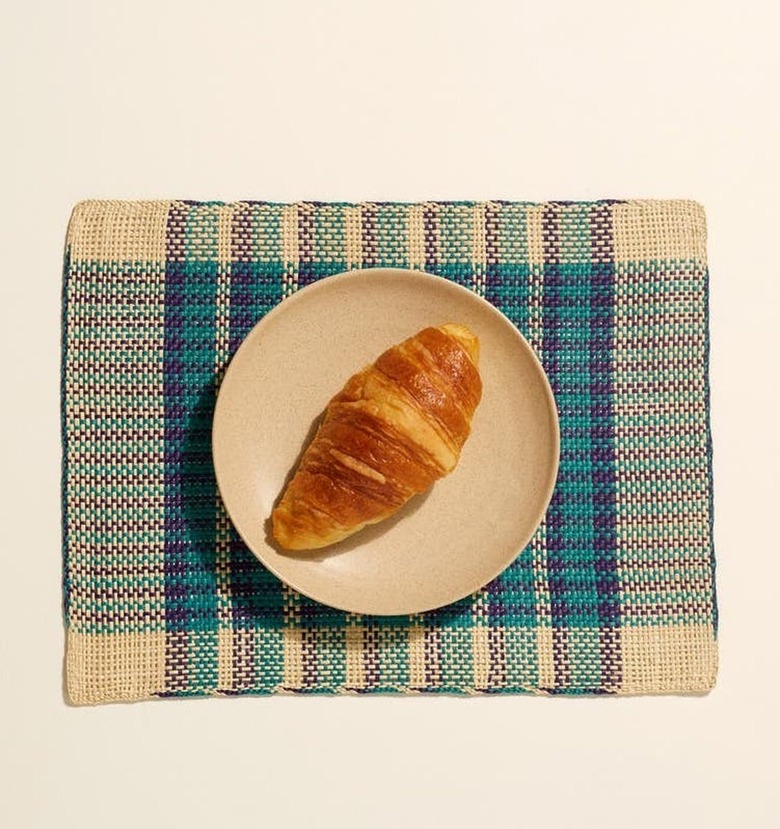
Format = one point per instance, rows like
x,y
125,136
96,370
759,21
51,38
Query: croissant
x,y
395,428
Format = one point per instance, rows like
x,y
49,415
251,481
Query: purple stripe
x,y
243,313
560,636
306,271
492,254
430,232
602,342
432,650
242,659
176,660
368,235
309,657
241,234
176,639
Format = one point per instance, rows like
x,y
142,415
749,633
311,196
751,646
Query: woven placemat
x,y
615,594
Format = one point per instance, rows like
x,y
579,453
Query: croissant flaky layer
x,y
394,429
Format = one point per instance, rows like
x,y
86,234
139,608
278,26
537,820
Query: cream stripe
x,y
356,678
222,530
479,604
224,227
290,251
416,656
534,217
354,240
535,331
293,636
293,653
478,249
545,660
415,237
480,643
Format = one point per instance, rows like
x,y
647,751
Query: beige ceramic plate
x,y
444,544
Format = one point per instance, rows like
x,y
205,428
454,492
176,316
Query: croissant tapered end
x,y
295,529
466,337
394,429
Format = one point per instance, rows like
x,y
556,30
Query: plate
x,y
444,544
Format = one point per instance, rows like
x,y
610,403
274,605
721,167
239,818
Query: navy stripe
x,y
255,288
368,235
602,389
243,314
709,450
66,585
176,621
309,657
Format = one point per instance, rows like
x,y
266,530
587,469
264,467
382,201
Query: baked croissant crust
x,y
394,429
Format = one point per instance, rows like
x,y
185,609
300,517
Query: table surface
x,y
411,100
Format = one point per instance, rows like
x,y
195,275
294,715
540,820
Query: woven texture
x,y
615,594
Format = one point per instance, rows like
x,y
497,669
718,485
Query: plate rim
x,y
362,273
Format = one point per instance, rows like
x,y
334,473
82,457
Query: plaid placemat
x,y
614,595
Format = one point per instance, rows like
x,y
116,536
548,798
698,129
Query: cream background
x,y
404,100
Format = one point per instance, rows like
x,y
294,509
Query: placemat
x,y
615,594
